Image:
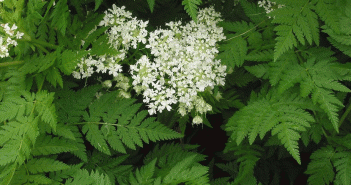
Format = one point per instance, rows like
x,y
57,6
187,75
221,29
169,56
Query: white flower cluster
x,y
125,32
182,65
10,35
269,6
123,85
92,64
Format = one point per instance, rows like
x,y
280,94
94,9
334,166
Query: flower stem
x,y
6,64
247,30
346,113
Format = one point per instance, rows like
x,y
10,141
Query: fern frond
x,y
320,168
8,173
278,69
130,127
45,165
285,115
17,148
109,165
144,175
69,60
22,176
45,108
47,145
65,131
190,6
221,181
71,105
261,56
79,143
233,53
247,157
253,11
289,137
318,76
231,168
177,165
95,137
194,175
165,150
60,16
258,70
83,177
342,164
327,10
346,49
297,22
61,175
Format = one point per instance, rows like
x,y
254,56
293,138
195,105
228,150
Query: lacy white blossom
x,y
182,65
269,6
125,32
9,39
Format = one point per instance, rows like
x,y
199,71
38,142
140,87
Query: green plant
x,y
91,92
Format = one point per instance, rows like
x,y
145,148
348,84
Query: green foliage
x,y
339,30
285,116
297,23
83,177
324,160
130,129
171,164
60,16
151,4
286,95
191,6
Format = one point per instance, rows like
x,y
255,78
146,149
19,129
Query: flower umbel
x,y
182,65
124,32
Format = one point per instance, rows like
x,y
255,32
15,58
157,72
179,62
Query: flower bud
x,y
107,84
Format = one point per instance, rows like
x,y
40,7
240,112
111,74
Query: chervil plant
x,y
175,92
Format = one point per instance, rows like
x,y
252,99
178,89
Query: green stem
x,y
247,30
39,42
42,48
6,64
318,121
299,57
131,56
46,44
346,113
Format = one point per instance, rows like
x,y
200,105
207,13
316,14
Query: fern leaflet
x,y
297,22
190,6
320,168
83,177
60,16
120,122
45,165
342,164
282,116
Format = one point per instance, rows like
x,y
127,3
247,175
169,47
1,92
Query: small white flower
x,y
19,35
268,5
98,95
197,120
